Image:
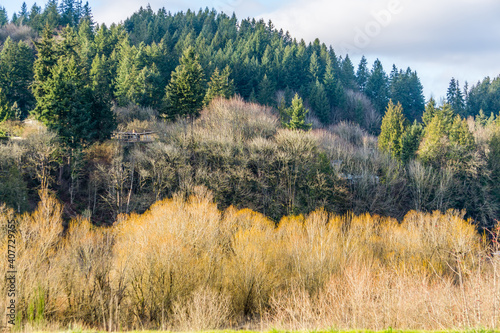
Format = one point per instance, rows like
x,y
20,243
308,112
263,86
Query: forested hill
x,y
78,82
265,63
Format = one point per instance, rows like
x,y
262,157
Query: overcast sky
x,y
440,39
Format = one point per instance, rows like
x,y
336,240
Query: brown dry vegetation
x,y
239,151
185,265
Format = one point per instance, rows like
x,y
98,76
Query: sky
x,y
439,39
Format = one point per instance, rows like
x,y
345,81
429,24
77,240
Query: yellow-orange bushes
x,y
186,265
84,264
37,243
165,254
252,266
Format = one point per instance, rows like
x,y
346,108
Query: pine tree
x,y
85,38
377,87
266,91
4,18
494,164
297,115
101,115
14,19
392,129
42,69
314,67
62,89
16,74
318,101
149,87
481,118
87,15
67,103
127,72
447,116
51,15
5,109
35,18
333,88
69,14
460,135
455,98
22,18
405,88
446,137
185,92
362,74
410,141
220,85
347,76
430,112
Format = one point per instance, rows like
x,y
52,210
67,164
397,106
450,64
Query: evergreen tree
x,y
447,116
377,87
185,92
87,15
4,18
266,91
62,89
67,103
410,141
333,88
297,115
446,137
481,118
405,88
50,15
5,109
101,115
22,18
392,129
434,146
85,38
460,134
455,98
219,85
347,76
394,74
35,18
16,112
494,164
16,74
126,73
42,69
430,111
318,101
69,13
149,87
362,74
14,19
314,69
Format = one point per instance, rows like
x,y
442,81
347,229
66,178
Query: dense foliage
x,y
192,171
83,81
184,265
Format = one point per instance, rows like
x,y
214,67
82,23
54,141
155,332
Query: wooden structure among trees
x,y
134,137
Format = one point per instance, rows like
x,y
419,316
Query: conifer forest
x,y
193,170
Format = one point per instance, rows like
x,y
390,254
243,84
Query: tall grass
x,y
185,265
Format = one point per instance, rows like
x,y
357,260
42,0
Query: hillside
x,y
193,171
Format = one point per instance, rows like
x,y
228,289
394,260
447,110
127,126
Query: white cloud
x,y
439,39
